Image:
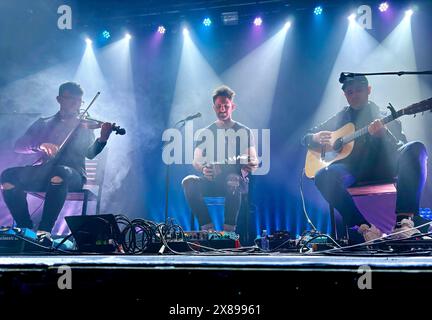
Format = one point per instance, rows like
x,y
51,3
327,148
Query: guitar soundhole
x,y
338,145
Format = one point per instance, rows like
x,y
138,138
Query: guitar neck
x,y
361,132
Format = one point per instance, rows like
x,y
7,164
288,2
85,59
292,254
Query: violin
x,y
90,123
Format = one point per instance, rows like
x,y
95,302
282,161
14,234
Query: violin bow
x,y
80,118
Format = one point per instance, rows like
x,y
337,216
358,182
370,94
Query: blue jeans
x,y
410,170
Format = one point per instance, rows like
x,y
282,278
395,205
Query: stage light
x,y
352,17
318,10
409,13
106,34
161,29
88,41
185,32
287,25
207,22
258,21
383,7
128,36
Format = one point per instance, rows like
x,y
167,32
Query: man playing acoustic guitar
x,y
381,154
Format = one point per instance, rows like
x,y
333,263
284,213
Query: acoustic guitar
x,y
342,140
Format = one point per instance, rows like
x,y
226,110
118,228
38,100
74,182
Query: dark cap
x,y
352,80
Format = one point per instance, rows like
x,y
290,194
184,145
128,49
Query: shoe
x,y
404,229
369,233
44,238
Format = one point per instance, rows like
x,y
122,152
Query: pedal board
x,y
12,240
24,241
196,240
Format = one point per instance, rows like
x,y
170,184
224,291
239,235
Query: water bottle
x,y
264,241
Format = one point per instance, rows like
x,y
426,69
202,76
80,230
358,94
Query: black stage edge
x,y
277,283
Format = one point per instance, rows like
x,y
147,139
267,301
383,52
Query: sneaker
x,y
404,229
44,238
369,233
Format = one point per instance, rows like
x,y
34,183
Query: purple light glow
x,y
383,7
258,21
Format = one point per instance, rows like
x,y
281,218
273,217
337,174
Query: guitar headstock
x,y
418,107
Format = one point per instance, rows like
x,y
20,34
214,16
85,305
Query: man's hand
x,y
376,128
49,149
251,165
106,130
210,171
322,137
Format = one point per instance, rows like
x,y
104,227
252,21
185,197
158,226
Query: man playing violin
x,y
56,177
382,154
232,145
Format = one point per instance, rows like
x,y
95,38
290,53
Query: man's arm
x,y
198,159
252,163
30,141
95,148
321,132
396,133
99,144
391,133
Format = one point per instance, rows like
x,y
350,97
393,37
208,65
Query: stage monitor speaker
x,y
95,234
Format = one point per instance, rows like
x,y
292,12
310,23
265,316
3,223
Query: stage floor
x,y
270,261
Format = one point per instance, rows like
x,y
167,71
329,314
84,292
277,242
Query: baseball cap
x,y
352,80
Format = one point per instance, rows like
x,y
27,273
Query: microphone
x,y
191,117
344,75
196,115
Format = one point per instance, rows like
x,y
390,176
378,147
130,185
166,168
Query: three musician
x,y
225,154
381,155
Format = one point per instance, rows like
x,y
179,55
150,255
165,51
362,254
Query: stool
x,y
361,190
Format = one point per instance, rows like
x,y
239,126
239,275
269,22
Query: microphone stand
x,y
345,75
179,125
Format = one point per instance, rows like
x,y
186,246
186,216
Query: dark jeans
x,y
410,171
229,186
38,179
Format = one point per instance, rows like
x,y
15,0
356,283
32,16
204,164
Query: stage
x,y
162,282
151,120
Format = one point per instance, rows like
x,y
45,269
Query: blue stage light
x,y
318,10
207,22
106,34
